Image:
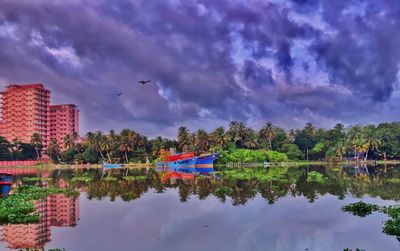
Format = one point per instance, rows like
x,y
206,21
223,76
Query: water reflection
x,y
237,197
272,183
55,211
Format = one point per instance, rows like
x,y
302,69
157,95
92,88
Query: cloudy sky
x,y
288,62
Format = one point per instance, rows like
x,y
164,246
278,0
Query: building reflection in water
x,y
56,210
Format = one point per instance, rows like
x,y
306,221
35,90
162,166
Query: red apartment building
x,y
26,109
64,120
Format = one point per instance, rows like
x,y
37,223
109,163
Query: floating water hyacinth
x,y
362,209
18,208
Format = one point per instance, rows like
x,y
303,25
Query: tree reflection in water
x,y
237,185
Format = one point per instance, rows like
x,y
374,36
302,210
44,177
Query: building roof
x,y
26,86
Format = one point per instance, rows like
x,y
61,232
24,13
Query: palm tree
x,y
133,140
371,143
242,131
14,147
105,145
202,140
112,138
183,138
54,150
75,137
219,137
268,132
251,142
340,149
97,139
291,135
237,131
125,147
69,142
37,142
156,146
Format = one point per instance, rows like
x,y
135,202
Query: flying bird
x,y
144,81
119,94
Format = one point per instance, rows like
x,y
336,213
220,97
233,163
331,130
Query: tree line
x,y
309,143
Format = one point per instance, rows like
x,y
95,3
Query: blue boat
x,y
111,166
5,183
201,164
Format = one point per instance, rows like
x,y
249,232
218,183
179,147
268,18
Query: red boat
x,y
178,156
176,175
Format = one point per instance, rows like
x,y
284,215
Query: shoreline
x,y
229,165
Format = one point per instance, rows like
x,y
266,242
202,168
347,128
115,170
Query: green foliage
x,y
315,177
85,178
391,226
68,156
251,156
36,179
133,178
376,142
222,191
90,156
360,208
110,179
276,157
18,208
259,174
292,151
54,151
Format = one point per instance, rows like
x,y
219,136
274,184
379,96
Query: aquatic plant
x,y
110,178
36,179
18,208
133,178
392,226
315,177
360,208
221,191
85,178
393,180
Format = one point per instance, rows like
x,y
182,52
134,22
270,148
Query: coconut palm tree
x,y
69,142
371,143
340,149
75,137
54,150
97,140
125,147
105,145
37,142
251,142
112,138
183,138
219,137
268,132
291,135
237,131
202,140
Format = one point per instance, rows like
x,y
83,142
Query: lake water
x,y
278,210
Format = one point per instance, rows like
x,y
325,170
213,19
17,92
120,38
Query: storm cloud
x,y
289,62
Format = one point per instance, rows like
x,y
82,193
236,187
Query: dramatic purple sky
x,y
211,61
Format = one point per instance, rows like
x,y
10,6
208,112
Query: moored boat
x,y
5,183
202,164
111,166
